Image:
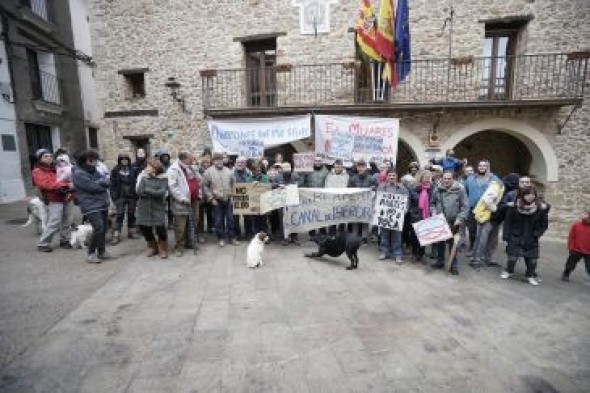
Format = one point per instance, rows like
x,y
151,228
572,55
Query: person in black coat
x,y
527,220
122,189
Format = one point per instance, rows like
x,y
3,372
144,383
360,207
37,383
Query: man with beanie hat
x,y
57,196
123,181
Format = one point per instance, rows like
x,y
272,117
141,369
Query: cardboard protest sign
x,y
227,134
432,230
246,197
303,162
322,207
279,198
390,210
372,138
251,148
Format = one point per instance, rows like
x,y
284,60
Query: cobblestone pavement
x,y
206,323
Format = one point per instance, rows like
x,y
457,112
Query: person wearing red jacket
x,y
579,245
56,195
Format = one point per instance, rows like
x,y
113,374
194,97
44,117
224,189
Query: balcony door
x,y
498,64
261,80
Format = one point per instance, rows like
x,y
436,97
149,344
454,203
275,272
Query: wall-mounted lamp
x,y
174,87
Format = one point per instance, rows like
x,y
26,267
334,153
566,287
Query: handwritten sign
x,y
432,230
226,135
303,162
390,210
321,207
246,197
279,198
251,148
372,138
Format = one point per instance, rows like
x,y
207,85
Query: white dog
x,y
80,237
37,212
256,249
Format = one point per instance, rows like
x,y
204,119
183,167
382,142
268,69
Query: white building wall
x,y
12,187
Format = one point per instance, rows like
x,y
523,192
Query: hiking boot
x,y
382,256
533,281
92,258
44,248
505,275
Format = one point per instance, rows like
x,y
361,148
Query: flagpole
x,y
373,79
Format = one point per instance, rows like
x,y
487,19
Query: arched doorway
x,y
405,155
506,153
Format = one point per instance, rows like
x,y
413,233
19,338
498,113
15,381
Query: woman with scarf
x,y
424,188
526,221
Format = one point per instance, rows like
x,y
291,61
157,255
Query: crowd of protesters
x,y
192,195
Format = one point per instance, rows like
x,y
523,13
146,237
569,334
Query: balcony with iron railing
x,y
526,80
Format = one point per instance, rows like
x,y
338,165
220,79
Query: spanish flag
x,y
366,32
384,39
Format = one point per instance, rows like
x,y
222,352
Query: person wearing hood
x,y
184,187
316,179
451,200
124,197
56,194
526,221
140,160
362,179
579,246
164,158
91,189
242,175
475,186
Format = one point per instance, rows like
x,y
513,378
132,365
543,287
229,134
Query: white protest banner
x,y
390,210
227,134
373,138
251,148
322,207
432,230
246,197
278,198
303,162
341,146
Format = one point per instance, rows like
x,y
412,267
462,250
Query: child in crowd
x,y
578,245
63,168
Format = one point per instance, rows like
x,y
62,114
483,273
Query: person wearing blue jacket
x,y
475,186
91,189
450,163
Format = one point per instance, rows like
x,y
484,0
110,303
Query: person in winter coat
x,y
56,194
242,175
259,222
91,189
526,221
479,233
362,179
164,157
579,246
151,207
122,189
205,207
184,188
218,183
140,160
316,179
451,200
420,200
285,178
450,163
390,241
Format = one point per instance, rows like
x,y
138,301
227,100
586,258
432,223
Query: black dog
x,y
335,246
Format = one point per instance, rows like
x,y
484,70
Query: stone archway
x,y
405,155
543,160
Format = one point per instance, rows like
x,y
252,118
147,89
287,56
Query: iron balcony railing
x,y
547,77
47,88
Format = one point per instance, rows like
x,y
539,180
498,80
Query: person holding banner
x,y
285,178
390,240
259,222
218,183
316,179
451,200
241,175
362,179
338,178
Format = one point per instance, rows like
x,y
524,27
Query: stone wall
x,y
178,38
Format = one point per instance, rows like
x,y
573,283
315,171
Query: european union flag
x,y
403,55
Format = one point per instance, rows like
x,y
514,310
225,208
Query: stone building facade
x,y
139,45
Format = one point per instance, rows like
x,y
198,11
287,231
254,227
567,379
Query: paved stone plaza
x,y
206,323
